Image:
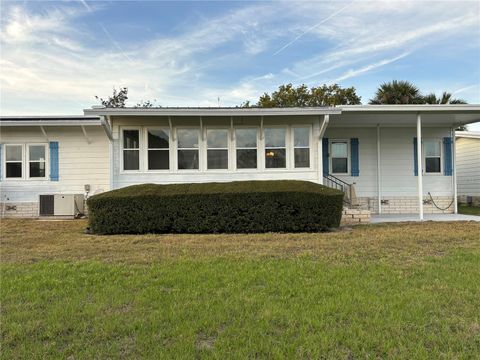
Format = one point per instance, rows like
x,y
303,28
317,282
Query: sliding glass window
x,y
246,144
188,140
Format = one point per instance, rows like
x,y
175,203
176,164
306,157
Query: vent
x,y
46,205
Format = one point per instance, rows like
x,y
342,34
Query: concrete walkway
x,y
387,218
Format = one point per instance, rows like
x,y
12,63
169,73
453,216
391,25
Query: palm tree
x,y
397,92
445,99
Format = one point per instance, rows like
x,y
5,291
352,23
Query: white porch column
x,y
379,183
454,169
419,166
322,127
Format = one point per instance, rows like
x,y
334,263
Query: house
x,y
468,166
372,152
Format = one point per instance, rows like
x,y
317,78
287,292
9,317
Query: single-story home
x,y
468,166
387,158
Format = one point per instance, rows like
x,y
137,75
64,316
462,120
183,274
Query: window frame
x,y
146,150
228,148
330,157
257,148
140,143
199,148
5,161
287,148
309,147
27,162
424,157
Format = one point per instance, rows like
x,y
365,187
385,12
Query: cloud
x,y
61,54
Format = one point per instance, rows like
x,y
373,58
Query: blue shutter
x,y
447,156
354,155
415,159
325,156
1,162
54,160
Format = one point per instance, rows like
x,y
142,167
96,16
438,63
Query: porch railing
x,y
348,189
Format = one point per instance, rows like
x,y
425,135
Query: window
x,y
158,149
131,150
36,161
187,148
217,149
301,146
246,143
13,161
275,151
432,149
339,157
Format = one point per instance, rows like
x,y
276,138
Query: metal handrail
x,y
339,184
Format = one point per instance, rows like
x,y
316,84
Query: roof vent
x,y
98,107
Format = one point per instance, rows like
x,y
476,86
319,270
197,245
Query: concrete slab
x,y
387,218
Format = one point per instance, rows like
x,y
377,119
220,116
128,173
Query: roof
x,y
54,120
211,111
468,134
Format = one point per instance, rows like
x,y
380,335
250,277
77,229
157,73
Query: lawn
x,y
468,210
384,291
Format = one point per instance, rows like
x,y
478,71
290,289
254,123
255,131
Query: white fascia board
x,y
214,111
468,134
95,122
453,108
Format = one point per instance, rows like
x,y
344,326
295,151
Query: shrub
x,y
235,207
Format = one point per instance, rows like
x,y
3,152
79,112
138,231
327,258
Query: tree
x,y
397,92
445,99
117,100
302,96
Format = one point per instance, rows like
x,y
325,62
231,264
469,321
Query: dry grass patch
x,y
27,241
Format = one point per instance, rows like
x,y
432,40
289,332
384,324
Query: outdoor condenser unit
x,y
61,204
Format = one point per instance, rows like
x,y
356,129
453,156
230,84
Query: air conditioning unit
x,y
61,204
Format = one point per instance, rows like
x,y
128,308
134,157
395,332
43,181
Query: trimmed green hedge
x,y
235,207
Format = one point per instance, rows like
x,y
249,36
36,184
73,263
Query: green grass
x,y
398,291
469,210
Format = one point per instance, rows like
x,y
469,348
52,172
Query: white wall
x,y
468,166
80,163
397,166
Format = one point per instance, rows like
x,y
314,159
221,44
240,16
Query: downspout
x,y
454,173
109,121
322,128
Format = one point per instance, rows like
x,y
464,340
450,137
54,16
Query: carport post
x,y
419,166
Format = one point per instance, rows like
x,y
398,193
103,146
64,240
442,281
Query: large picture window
x,y
339,157
301,147
36,161
13,161
131,150
188,140
217,149
432,150
158,141
275,150
246,144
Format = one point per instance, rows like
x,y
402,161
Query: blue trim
x,y
54,161
415,157
325,156
1,162
447,156
355,164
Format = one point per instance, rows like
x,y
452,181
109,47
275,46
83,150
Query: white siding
x,y
80,163
397,166
468,166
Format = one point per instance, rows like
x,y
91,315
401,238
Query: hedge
x,y
234,207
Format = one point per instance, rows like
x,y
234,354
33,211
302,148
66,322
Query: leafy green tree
x,y
303,96
446,98
397,92
117,100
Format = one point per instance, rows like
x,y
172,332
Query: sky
x,y
55,56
